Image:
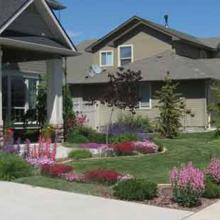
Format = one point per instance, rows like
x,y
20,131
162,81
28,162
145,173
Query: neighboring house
x,y
32,42
139,44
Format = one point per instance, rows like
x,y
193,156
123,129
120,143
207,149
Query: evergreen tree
x,y
68,113
171,109
214,107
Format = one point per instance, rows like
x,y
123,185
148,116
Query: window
x,y
106,58
145,96
125,54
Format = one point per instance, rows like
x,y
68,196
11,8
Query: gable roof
x,y
135,21
11,10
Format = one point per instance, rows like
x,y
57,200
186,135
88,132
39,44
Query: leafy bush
x,y
213,170
48,132
133,189
84,135
12,167
188,185
108,177
124,149
124,138
55,170
131,124
80,154
73,137
212,190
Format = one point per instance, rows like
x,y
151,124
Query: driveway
x,y
22,202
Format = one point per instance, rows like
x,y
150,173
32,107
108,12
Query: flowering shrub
x,y
55,170
213,170
103,176
44,152
124,149
73,177
188,185
39,162
80,119
145,147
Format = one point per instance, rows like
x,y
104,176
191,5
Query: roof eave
x,y
37,47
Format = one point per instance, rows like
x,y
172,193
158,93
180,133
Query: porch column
x,y
55,97
1,117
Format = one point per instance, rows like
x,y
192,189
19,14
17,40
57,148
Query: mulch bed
x,y
165,199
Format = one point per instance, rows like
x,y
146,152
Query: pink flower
x,y
188,177
213,170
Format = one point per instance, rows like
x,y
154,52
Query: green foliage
x,y
212,190
75,138
171,109
80,154
85,135
68,113
41,105
214,107
124,138
12,167
136,121
133,189
48,132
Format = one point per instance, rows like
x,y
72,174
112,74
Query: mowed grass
x,y
198,148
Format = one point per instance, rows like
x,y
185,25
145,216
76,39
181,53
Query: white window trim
x,y
119,52
150,100
100,58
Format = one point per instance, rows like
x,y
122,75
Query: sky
x,y
92,19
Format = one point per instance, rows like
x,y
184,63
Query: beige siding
x,y
193,92
144,45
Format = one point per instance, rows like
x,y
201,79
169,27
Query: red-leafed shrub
x,y
124,149
103,176
55,170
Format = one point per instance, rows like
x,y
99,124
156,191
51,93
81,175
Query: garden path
x,y
23,202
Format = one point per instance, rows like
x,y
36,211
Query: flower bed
x,y
55,170
103,176
122,149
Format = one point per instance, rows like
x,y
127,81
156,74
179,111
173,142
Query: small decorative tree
x,y
214,107
41,106
171,107
121,92
68,114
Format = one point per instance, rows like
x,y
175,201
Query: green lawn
x,y
198,148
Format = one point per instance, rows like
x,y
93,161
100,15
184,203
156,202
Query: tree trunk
x,y
108,126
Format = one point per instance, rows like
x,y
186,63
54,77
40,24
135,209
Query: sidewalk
x,y
23,202
210,213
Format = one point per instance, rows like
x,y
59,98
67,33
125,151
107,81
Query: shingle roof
x,y
153,69
212,42
78,66
135,20
8,8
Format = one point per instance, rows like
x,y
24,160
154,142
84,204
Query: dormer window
x,y
125,54
106,58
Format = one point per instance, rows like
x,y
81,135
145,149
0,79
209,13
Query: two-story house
x,y
139,44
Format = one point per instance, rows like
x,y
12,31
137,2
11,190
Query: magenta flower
x,y
213,170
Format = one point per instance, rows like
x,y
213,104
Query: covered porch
x,y
18,92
